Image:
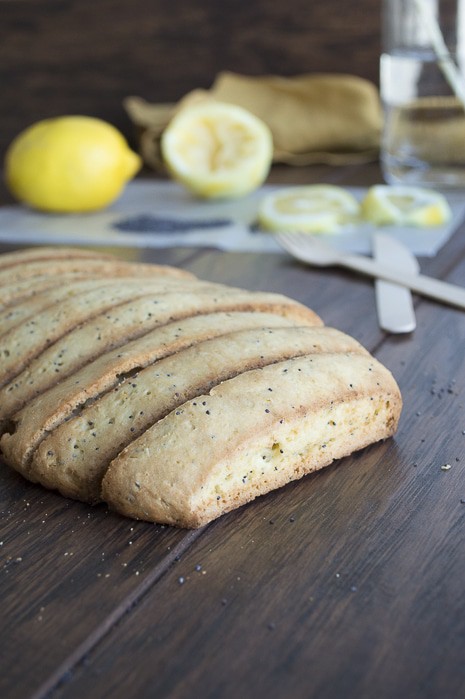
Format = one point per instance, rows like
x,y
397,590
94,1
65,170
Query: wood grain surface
x,y
347,583
84,57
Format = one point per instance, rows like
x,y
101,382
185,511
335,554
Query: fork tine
x,y
289,239
293,243
308,248
283,240
294,240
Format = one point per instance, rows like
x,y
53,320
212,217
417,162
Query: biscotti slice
x,y
64,358
74,457
25,341
19,312
113,267
251,434
20,257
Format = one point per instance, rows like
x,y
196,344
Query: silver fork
x,y
312,250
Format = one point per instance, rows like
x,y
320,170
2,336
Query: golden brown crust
x,y
28,255
45,412
115,327
187,398
21,311
88,266
28,339
67,458
22,278
318,409
25,289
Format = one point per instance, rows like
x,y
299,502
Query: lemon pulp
x,y
404,205
310,209
217,149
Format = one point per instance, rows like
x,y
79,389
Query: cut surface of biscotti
x,y
251,434
67,458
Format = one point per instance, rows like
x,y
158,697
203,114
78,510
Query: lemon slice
x,y
411,206
319,208
217,149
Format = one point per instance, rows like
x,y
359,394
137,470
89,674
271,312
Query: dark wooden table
x,y
349,583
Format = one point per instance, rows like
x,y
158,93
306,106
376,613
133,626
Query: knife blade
x,y
394,303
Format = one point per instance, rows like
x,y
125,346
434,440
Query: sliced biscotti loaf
x,y
251,434
28,272
15,314
88,378
27,426
187,398
25,341
67,459
87,268
125,322
24,289
21,257
17,292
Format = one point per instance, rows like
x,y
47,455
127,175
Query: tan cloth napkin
x,y
315,118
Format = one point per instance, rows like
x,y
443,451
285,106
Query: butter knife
x,y
394,303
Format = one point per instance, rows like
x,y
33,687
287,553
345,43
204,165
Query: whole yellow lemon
x,y
69,164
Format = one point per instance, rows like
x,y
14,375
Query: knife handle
x,y
426,286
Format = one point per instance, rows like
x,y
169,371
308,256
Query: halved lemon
x,y
318,208
217,149
411,206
